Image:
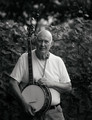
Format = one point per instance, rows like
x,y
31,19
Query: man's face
x,y
44,43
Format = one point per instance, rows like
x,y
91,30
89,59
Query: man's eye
x,y
46,42
40,41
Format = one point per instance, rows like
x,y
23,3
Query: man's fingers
x,y
40,82
33,110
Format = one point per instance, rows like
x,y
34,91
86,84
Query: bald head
x,y
43,43
45,34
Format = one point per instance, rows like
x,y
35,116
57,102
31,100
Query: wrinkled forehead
x,y
44,34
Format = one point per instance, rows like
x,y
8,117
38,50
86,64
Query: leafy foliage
x,y
13,43
54,10
73,43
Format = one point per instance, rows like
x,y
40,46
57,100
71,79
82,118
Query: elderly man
x,y
55,76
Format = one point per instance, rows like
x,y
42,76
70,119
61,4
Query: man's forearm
x,y
16,91
62,87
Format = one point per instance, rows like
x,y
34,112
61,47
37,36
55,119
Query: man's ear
x,y
52,43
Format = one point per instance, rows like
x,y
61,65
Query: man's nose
x,y
43,43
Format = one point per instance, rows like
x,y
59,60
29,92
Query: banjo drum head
x,y
34,95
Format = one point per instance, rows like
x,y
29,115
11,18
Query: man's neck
x,y
42,56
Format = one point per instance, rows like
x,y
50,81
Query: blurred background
x,y
70,22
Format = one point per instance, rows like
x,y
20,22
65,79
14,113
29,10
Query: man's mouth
x,y
42,48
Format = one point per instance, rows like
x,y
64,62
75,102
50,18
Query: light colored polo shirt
x,y
55,70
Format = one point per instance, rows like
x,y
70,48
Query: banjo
x,y
37,95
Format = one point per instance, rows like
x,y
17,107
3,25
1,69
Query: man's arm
x,y
17,94
60,87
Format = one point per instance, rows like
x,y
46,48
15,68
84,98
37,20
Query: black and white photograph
x,y
45,60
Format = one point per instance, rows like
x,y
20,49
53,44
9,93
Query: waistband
x,y
54,106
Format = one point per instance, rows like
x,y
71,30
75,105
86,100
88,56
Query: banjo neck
x,y
30,66
31,29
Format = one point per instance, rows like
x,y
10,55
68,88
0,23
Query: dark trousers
x,y
52,114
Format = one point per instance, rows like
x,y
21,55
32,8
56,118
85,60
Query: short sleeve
x,y
64,76
18,70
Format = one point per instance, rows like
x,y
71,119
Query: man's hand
x,y
29,109
45,81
